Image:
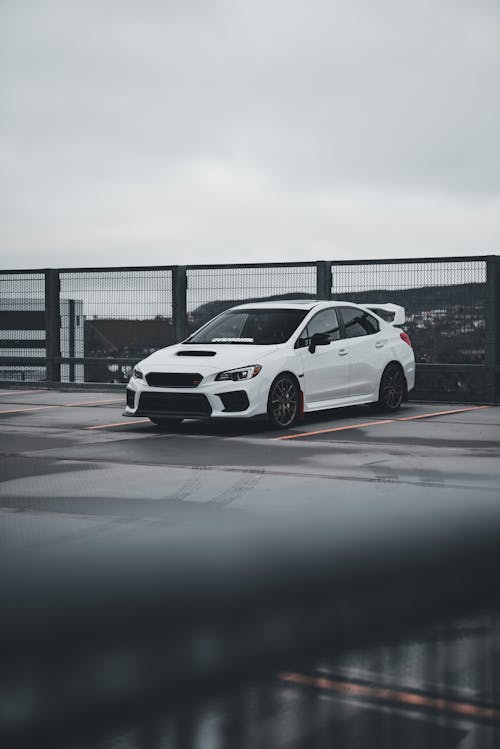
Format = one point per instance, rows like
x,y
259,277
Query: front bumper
x,y
225,399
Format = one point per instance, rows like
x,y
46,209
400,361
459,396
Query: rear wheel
x,y
166,422
392,388
283,402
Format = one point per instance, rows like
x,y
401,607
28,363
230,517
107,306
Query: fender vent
x,y
235,400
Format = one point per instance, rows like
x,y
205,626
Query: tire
x,y
166,422
392,388
283,404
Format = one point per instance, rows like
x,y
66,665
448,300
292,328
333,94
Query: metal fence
x,y
91,325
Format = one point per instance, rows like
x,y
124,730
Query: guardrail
x,y
91,325
107,639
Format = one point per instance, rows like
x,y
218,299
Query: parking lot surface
x,y
73,468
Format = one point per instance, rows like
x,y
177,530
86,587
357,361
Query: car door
x,y
367,349
326,371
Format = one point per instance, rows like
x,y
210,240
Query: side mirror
x,y
319,339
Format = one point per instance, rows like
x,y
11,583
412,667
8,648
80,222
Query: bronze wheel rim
x,y
392,387
284,402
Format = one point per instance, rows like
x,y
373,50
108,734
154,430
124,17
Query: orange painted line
x,y
59,405
19,410
120,424
398,696
333,429
381,421
22,392
441,413
92,403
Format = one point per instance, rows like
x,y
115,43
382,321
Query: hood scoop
x,y
196,353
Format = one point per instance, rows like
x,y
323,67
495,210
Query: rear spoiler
x,y
392,313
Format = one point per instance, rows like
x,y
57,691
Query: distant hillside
x,y
446,323
414,300
208,310
112,337
422,299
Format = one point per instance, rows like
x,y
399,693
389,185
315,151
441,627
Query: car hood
x,y
205,358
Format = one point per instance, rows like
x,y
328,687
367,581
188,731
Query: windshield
x,y
252,326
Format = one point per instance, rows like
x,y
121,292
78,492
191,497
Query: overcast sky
x,y
190,131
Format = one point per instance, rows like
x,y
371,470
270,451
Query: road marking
x,y
399,696
61,405
18,410
441,413
22,392
380,421
92,403
333,429
120,424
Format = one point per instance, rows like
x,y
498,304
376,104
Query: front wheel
x,y
283,402
392,388
166,422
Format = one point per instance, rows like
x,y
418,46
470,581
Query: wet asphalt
x,y
73,468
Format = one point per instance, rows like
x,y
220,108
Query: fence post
x,y
53,325
323,279
492,322
179,306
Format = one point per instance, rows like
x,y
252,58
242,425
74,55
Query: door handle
x,y
379,344
343,352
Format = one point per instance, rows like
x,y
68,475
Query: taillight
x,y
406,338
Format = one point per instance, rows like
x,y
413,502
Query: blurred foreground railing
x,y
107,638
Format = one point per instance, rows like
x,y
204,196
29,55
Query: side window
x,y
324,322
357,323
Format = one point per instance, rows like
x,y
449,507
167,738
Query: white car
x,y
280,359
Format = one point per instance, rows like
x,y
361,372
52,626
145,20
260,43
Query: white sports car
x,y
279,359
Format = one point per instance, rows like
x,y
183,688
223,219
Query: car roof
x,y
308,304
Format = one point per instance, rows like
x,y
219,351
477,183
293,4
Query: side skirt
x,y
357,400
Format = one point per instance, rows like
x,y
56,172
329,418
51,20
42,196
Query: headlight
x,y
242,373
137,374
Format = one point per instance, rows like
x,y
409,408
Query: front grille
x,y
174,404
237,400
174,379
130,398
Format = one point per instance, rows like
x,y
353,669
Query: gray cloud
x,y
208,131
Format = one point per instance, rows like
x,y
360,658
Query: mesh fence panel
x,y
462,385
22,326
110,315
213,290
444,302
